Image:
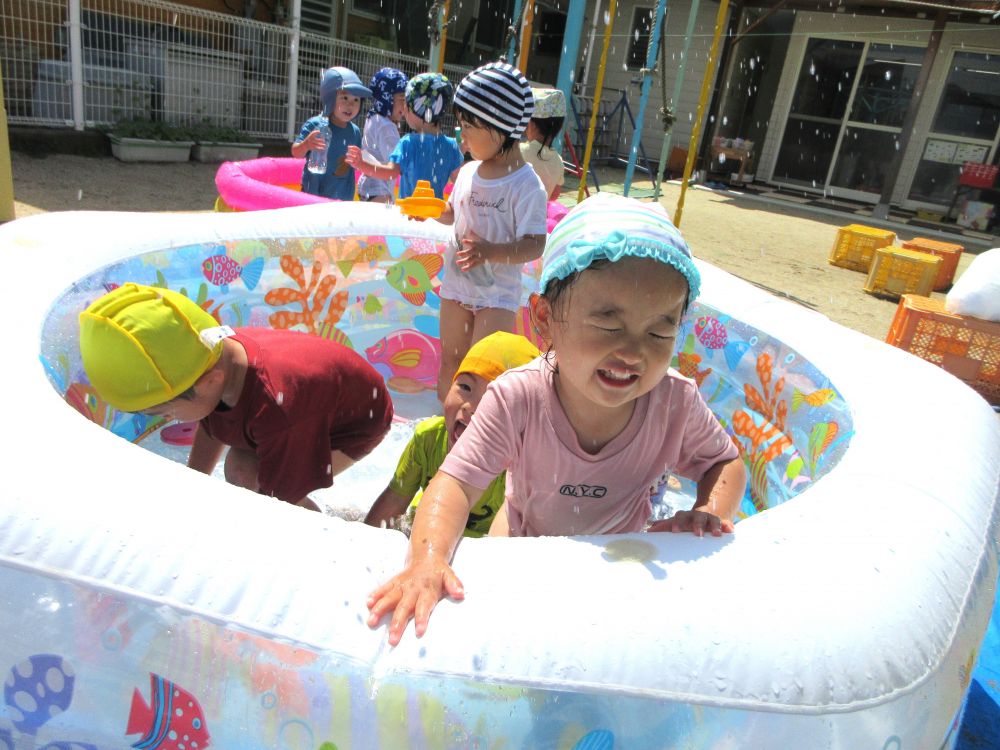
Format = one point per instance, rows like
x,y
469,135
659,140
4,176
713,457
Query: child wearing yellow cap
x,y
294,409
488,358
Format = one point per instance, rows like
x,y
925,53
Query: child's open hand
x,y
472,252
696,521
314,141
413,594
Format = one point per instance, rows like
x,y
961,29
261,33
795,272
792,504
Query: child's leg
x,y
490,320
241,468
456,338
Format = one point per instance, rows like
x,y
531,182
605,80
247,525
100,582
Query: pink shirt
x,y
554,487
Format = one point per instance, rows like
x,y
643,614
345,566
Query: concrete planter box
x,y
145,149
210,151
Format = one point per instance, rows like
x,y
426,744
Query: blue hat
x,y
336,79
612,227
385,84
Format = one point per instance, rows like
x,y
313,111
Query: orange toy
x,y
422,204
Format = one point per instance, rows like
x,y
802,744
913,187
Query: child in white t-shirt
x,y
536,148
584,430
381,132
498,207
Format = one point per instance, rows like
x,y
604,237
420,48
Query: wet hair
x,y
465,116
548,128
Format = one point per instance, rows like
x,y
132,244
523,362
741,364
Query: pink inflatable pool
x,y
260,184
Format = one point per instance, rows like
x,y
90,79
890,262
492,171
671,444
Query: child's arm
x,y
389,506
720,491
312,142
427,577
356,159
475,250
205,452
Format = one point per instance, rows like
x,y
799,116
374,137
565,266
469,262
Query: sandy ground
x,y
783,250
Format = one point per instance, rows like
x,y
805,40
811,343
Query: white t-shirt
x,y
548,164
380,138
500,211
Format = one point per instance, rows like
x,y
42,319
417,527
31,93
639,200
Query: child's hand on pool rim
x,y
413,594
695,521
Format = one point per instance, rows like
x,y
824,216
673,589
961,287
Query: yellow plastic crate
x,y
897,271
967,347
856,244
950,255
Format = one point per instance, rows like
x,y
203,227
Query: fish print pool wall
x,y
147,605
376,293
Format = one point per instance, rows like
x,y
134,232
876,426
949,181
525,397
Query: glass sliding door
x,y
850,101
822,94
965,128
870,138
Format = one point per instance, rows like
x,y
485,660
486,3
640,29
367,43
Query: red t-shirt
x,y
303,396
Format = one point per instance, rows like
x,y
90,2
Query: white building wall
x,y
913,31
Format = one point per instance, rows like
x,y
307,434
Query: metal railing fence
x,y
83,63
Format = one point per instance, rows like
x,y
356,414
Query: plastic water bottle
x,y
316,159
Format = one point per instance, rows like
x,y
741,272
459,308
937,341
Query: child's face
x,y
207,393
398,107
613,332
460,403
483,143
531,132
413,121
346,107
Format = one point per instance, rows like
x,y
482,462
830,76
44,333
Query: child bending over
x,y
433,438
341,92
424,154
294,409
584,431
498,207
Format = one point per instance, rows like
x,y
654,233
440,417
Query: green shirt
x,y
420,461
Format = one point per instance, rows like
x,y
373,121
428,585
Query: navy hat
x,y
499,94
337,79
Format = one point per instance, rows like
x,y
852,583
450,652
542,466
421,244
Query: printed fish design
x,y
37,689
368,254
221,270
822,436
173,721
814,399
412,277
330,331
407,354
712,334
599,739
687,365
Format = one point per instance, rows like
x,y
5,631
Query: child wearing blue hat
x,y
424,153
341,92
585,430
381,132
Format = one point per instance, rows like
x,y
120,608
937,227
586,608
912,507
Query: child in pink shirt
x,y
585,430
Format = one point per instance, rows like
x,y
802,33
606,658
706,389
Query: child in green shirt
x,y
489,358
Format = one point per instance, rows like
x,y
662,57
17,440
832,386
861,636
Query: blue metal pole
x,y
571,50
515,21
647,82
661,165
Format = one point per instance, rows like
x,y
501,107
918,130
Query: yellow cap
x,y
143,346
492,356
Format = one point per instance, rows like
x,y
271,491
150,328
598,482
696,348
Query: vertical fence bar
x,y
567,65
291,120
76,63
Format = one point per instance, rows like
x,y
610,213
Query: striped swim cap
x,y
612,227
499,94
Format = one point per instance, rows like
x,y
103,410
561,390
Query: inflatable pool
x,y
261,184
151,606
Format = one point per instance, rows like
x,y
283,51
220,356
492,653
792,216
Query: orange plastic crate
x,y
967,347
896,272
949,254
856,244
